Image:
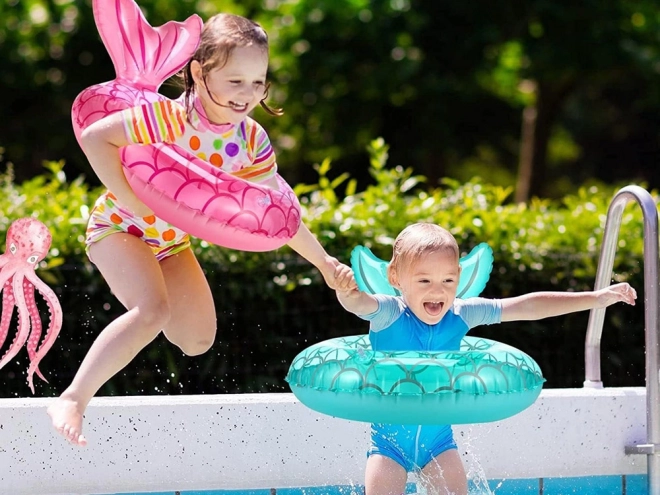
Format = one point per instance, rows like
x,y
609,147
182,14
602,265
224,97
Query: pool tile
x,y
587,485
636,484
262,491
323,490
515,487
142,493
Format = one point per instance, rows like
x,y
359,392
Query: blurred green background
x,y
446,84
510,122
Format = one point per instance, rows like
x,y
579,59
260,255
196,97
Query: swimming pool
x,y
590,485
569,441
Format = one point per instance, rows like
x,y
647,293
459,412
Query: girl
x,y
148,263
428,317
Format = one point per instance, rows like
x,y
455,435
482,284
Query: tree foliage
x,y
445,83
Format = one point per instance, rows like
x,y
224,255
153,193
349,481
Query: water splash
x,y
476,476
477,480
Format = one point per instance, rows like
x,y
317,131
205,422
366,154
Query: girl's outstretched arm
x,y
308,246
101,142
539,305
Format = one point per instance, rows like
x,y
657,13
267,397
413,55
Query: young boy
x,y
428,317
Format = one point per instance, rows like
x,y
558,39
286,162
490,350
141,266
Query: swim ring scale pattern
x,y
172,182
483,381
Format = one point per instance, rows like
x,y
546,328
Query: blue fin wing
x,y
371,272
475,271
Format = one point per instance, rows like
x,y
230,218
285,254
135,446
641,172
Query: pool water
x,y
588,485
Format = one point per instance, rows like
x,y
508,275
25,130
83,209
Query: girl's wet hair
x,y
221,34
417,240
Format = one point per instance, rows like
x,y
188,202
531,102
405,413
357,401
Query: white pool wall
x,y
253,441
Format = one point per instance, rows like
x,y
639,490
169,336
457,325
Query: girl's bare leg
x,y
138,281
192,324
445,475
383,476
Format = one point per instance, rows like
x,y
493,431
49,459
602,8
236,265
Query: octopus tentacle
x,y
23,321
6,275
54,325
7,311
35,320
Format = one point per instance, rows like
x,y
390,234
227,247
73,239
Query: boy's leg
x,y
134,275
445,474
384,476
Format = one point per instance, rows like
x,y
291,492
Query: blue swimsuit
x,y
394,327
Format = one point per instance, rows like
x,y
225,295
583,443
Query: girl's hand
x,y
134,205
141,210
332,268
615,293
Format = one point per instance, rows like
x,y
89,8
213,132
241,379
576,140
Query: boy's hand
x,y
344,280
332,269
615,293
348,294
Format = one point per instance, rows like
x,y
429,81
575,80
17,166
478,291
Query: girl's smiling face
x,y
428,285
229,93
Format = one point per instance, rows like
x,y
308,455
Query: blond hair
x,y
415,241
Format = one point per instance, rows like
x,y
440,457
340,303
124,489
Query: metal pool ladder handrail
x,y
651,302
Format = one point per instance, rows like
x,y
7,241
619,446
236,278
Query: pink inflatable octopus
x,y
178,187
28,241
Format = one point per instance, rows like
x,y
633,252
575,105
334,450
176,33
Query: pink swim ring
x,y
180,188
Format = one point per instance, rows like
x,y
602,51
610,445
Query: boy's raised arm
x,y
539,305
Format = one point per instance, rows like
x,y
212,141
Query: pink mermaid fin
x,y
144,56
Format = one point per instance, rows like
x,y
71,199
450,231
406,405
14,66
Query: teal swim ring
x,y
484,381
371,272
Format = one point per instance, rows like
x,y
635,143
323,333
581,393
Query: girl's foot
x,y
67,418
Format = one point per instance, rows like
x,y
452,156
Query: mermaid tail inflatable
x,y
143,57
371,272
177,186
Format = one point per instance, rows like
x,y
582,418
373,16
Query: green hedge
x,y
272,305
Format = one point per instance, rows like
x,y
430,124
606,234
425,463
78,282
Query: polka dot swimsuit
x,y
108,217
243,150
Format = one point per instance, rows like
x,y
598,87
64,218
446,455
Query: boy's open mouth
x,y
434,308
